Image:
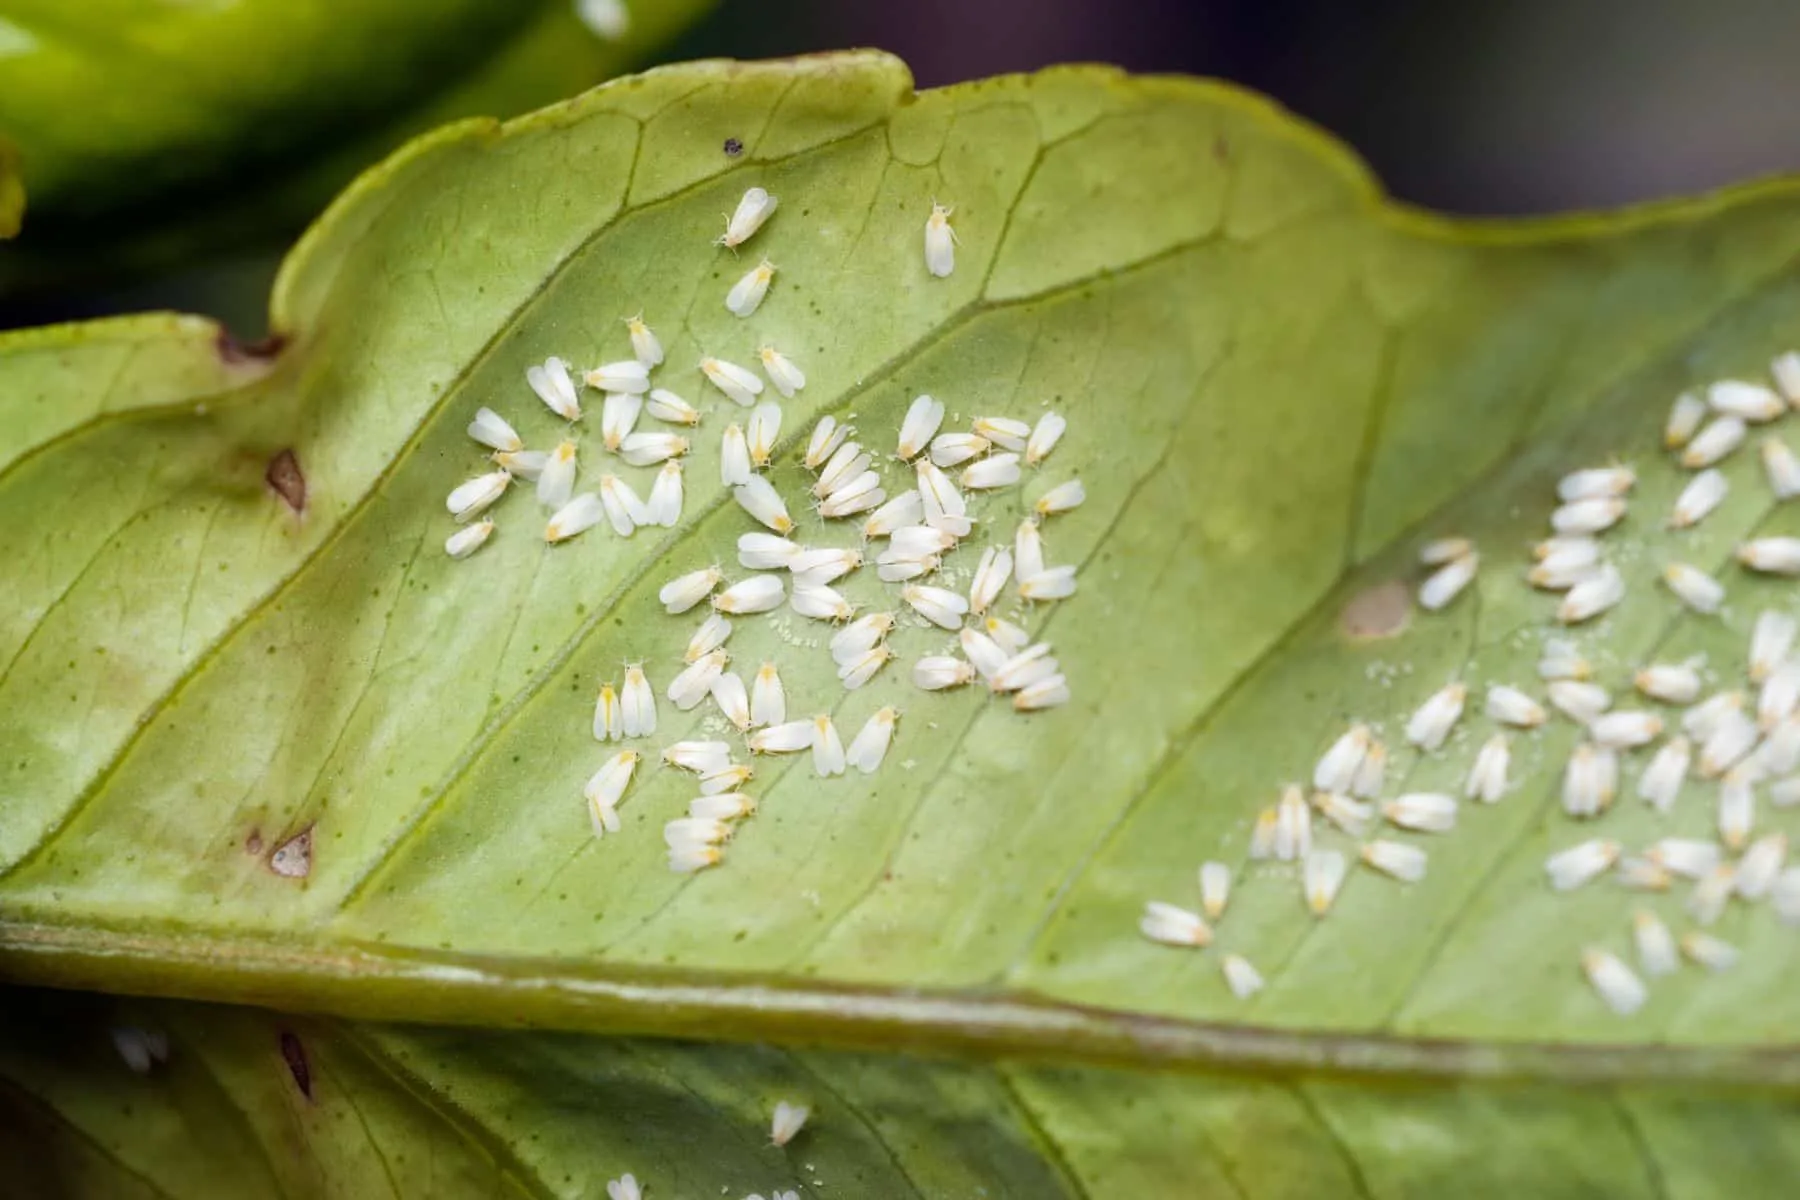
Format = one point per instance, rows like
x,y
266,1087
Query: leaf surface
x,y
1276,384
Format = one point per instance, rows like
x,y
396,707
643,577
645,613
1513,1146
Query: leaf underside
x,y
1275,384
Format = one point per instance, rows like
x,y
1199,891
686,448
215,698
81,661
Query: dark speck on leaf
x,y
233,351
285,478
294,1054
733,147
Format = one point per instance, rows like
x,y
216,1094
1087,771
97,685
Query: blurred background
x,y
1492,108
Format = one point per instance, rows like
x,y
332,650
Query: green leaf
x,y
12,191
1276,384
169,133
452,1113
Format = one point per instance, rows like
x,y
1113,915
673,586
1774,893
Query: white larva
x,y
522,464
1595,482
781,370
823,566
722,806
618,417
637,704
1028,666
857,496
1719,438
766,551
787,1122
1560,573
1011,637
819,602
861,635
609,719
702,758
1749,401
556,482
1241,976
746,295
1509,706
1692,858
1432,722
625,1187
1703,719
1661,781
1293,826
733,699
1785,793
648,449
1371,776
1422,812
739,384
1487,777
646,347
695,831
759,498
941,606
1578,550
899,568
690,857
920,425
469,539
994,471
1581,863
1052,583
1737,809
579,515
1707,902
626,375
1782,468
1041,694
1172,925
1778,753
726,779
1044,435
1336,769
1655,944
1770,641
1785,369
768,701
1685,416
1761,863
1403,862
938,672
714,631
1447,582
1730,740
905,510
846,463
1784,897
1587,516
620,504
554,386
1703,493
1592,596
1262,835
755,207
954,449
694,684
664,506
827,748
754,594
1780,695
1341,811
1322,876
469,499
1065,496
606,789
1562,660
762,432
945,507
1215,889
1707,951
1439,551
1578,700
1642,875
826,437
491,430
1694,587
1671,683
870,746
991,574
1616,984
940,241
1590,780
1004,432
914,541
1625,729
1771,555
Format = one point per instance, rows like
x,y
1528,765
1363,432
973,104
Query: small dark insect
x,y
295,1055
285,478
733,147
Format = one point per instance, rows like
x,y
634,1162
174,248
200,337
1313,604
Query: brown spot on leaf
x,y
293,858
1382,611
1221,150
253,844
294,1054
284,476
262,350
733,147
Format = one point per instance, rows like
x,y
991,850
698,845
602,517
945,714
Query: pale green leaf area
x,y
12,190
113,102
1276,384
400,1111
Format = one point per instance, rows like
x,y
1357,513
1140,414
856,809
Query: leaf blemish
x,y
262,350
285,478
294,1054
1382,611
293,858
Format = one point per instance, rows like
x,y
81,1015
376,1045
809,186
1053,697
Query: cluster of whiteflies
x,y
1736,744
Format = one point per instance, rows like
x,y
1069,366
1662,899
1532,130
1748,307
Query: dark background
x,y
1482,107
